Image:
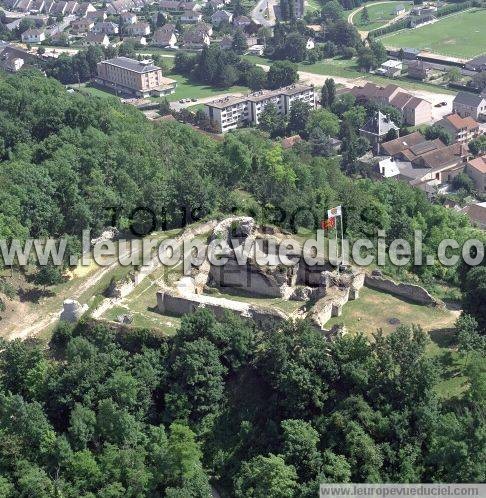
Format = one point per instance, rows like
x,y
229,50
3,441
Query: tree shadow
x,y
444,338
33,295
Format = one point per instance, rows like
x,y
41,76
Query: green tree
x,y
282,73
299,117
272,121
325,121
300,448
435,131
239,44
266,477
364,16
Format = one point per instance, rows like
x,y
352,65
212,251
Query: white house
x,y
138,29
310,44
33,36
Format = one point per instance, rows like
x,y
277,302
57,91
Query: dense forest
x,y
254,413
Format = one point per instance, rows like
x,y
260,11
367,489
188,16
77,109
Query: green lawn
x,y
459,35
188,89
379,15
312,5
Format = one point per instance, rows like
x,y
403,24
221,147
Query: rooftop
x,y
132,64
395,146
469,99
478,164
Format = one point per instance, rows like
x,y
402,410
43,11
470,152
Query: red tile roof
x,y
478,164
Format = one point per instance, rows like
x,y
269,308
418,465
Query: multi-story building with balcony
x,y
233,112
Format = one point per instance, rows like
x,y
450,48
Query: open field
x,y
366,314
188,89
459,35
380,14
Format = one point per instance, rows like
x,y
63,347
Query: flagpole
x,y
342,237
337,248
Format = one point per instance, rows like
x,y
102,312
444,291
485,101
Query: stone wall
x,y
169,301
410,292
269,281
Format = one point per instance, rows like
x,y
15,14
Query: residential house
x,y
476,169
391,68
195,39
174,5
476,213
233,112
71,8
461,129
221,16
128,18
164,38
241,22
37,6
12,58
58,9
83,25
137,40
469,104
218,4
33,36
310,44
410,54
394,147
419,70
84,9
137,29
376,129
107,28
414,110
191,16
97,39
120,6
132,77
427,164
204,27
97,15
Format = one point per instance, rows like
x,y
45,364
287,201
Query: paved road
x,y
261,8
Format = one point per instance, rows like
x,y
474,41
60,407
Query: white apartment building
x,y
233,112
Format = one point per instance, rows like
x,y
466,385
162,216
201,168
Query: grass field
x,y
188,89
379,15
459,35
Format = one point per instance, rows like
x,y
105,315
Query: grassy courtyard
x,y
459,35
379,14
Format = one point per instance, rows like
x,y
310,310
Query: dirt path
x,y
364,34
